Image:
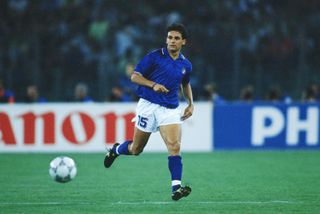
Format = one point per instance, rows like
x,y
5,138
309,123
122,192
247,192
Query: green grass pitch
x,y
222,182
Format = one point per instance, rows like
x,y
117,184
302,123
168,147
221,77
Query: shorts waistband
x,y
166,105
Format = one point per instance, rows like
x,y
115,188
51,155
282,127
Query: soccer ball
x,y
62,169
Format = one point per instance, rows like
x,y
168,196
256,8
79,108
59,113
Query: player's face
x,y
175,41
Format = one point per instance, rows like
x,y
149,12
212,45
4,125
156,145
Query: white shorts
x,y
150,116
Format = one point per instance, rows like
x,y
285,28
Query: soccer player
x,y
160,75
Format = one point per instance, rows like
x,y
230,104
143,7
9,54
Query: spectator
x,y
274,94
32,95
311,93
126,84
247,93
81,93
118,95
6,96
210,93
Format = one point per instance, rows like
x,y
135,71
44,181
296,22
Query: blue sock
x,y
123,149
175,167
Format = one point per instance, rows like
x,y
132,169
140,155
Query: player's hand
x,y
187,112
160,88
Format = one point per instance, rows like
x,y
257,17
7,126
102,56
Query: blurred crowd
x,y
81,50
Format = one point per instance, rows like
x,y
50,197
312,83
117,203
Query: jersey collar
x,y
165,52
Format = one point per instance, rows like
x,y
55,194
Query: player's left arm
x,y
187,91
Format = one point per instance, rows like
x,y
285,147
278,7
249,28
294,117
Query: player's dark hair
x,y
179,28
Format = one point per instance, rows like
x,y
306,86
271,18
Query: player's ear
x,y
184,41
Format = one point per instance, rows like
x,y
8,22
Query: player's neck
x,y
174,54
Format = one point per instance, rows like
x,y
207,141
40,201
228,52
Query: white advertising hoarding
x,y
89,127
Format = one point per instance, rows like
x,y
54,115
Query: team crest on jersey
x,y
183,71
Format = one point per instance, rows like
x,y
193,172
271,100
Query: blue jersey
x,y
159,67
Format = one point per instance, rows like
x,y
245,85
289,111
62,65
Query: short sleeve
x,y
186,77
145,65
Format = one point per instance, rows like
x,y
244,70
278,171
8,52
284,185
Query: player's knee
x,y
174,147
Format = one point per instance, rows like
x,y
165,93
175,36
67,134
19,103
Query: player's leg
x,y
129,147
135,147
145,124
171,135
140,140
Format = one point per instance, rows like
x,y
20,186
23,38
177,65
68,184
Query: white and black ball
x,y
62,169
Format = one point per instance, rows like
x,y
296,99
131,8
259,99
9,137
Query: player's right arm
x,y
137,78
